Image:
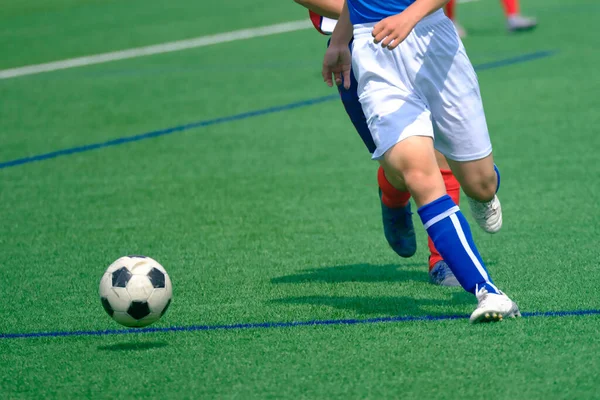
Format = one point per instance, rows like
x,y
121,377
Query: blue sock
x,y
451,235
498,175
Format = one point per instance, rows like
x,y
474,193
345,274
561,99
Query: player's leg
x,y
413,164
439,271
396,212
460,124
514,20
395,207
412,161
450,11
447,81
400,121
480,180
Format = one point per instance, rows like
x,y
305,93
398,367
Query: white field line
x,y
161,48
157,49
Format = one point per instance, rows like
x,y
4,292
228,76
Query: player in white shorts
x,y
395,205
418,91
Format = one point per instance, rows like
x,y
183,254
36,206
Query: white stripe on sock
x,y
440,217
467,247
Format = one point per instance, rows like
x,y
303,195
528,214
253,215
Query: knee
x,y
420,179
482,187
388,174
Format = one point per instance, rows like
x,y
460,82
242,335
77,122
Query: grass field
x,y
266,213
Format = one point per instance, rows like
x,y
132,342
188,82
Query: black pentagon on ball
x,y
165,309
157,278
138,309
107,307
120,277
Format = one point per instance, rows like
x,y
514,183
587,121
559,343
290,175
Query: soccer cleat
x,y
487,214
493,307
519,23
462,32
442,275
399,229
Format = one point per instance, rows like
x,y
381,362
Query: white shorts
x,y
425,87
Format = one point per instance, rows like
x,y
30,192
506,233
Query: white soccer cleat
x,y
519,23
493,307
488,214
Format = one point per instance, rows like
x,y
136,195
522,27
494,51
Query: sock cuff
x,y
450,180
391,196
437,210
498,176
384,184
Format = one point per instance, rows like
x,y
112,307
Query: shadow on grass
x,y
133,346
363,273
400,305
359,273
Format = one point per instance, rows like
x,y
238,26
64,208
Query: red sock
x,y
390,196
450,7
511,7
453,190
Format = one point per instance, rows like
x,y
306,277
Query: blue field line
x,y
515,60
270,325
168,131
237,117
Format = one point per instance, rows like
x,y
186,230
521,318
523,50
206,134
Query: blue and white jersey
x,y
365,11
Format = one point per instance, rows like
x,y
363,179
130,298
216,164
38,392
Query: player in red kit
x,y
395,204
515,22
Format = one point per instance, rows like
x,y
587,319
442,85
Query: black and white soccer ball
x,y
135,291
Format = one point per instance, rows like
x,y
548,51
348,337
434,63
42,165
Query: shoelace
x,y
481,294
488,208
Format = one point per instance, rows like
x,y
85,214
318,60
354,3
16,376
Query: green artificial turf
x,y
275,218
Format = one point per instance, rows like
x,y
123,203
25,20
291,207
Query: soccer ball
x,y
135,291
